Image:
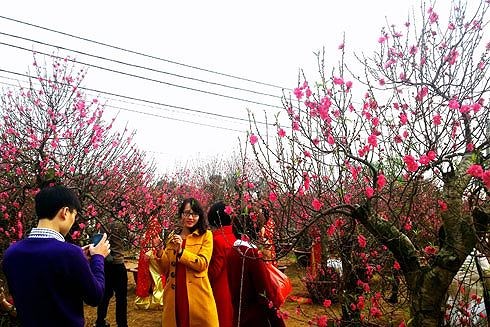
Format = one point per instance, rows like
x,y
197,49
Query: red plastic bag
x,y
281,284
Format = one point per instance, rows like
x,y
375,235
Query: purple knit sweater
x,y
49,280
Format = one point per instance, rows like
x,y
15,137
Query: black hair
x,y
51,199
202,223
217,216
243,225
265,212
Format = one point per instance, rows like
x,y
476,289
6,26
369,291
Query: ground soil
x,y
153,318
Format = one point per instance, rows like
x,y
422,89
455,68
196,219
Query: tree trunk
x,y
350,290
428,300
481,218
485,280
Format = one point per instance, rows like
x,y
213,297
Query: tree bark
x,y
428,284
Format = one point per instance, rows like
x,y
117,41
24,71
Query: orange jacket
x,y
196,257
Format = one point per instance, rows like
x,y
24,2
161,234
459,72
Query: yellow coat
x,y
195,257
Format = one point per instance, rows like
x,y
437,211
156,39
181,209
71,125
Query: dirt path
x,y
153,318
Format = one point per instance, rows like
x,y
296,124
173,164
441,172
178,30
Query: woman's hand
x,y
156,242
176,242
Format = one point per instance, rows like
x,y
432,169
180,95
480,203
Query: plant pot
x,y
303,257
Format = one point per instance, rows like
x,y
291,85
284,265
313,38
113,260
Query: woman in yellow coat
x,y
187,297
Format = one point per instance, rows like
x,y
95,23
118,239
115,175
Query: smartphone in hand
x,y
96,238
168,237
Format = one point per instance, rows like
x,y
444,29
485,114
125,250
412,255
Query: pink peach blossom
x,y
373,140
430,250
403,118
486,178
308,92
361,239
228,210
422,93
338,80
433,17
253,139
369,192
413,50
316,204
410,162
436,119
475,171
442,205
381,181
298,92
424,160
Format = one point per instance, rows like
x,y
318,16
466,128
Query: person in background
x,y
116,277
48,278
6,305
149,283
250,286
188,299
267,235
223,240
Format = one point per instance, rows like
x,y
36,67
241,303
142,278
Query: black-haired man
x,y
49,279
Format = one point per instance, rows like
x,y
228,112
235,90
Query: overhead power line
x,y
140,53
144,101
146,78
138,66
159,116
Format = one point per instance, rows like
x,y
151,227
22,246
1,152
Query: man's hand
x,y
102,248
85,250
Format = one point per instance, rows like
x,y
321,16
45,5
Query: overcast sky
x,y
264,41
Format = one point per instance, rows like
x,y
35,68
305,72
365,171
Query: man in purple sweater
x,y
49,279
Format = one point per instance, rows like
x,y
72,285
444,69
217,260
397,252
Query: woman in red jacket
x,y
223,240
252,293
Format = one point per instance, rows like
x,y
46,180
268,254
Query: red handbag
x,y
281,284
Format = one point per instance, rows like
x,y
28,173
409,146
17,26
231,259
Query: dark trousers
x,y
116,282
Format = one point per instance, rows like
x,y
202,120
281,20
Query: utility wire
x,y
176,119
138,66
140,53
145,78
143,100
159,116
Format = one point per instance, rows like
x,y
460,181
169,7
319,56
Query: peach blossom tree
x,y
53,132
395,143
